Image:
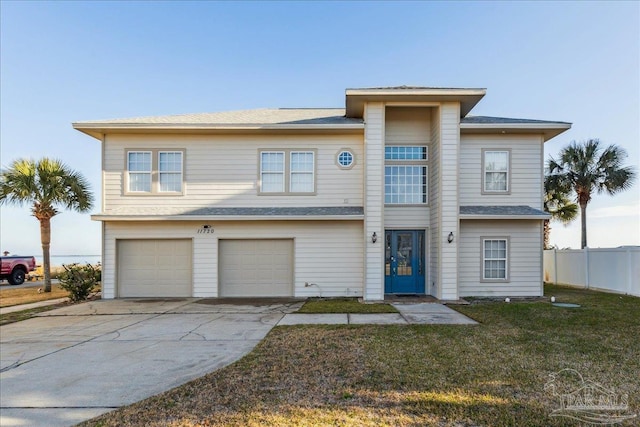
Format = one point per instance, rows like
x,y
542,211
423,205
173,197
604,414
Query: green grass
x,y
492,374
344,305
18,316
15,296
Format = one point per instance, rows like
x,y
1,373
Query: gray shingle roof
x,y
514,211
238,212
263,116
505,120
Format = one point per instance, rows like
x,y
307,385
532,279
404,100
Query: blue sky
x,y
70,61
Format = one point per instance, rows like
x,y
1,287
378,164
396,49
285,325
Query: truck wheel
x,y
16,277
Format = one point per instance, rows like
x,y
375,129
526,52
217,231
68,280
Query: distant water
x,y
59,260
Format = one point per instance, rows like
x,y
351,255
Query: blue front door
x,y
404,262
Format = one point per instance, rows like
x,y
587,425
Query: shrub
x,y
79,280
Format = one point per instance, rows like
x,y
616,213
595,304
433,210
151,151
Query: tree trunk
x,y
45,239
583,220
547,233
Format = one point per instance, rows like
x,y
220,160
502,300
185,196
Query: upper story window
x,y
302,167
272,172
405,175
139,167
287,172
170,171
495,166
495,259
392,152
345,159
155,171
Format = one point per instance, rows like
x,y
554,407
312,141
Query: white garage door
x,y
256,268
154,268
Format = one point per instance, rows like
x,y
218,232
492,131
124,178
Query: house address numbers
x,y
205,229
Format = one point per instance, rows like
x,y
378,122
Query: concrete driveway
x,y
77,362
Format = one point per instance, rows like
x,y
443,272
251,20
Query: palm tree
x,y
585,167
45,185
558,204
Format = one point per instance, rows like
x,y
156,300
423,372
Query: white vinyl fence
x,y
611,269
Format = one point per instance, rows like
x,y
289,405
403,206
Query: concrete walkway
x,y
409,314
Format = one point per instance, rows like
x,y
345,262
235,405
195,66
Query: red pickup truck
x,y
15,268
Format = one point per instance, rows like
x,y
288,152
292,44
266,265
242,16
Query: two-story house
x,y
401,192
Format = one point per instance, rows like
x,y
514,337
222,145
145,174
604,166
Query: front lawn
x,y
14,296
492,374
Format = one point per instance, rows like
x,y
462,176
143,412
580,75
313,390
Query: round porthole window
x,y
345,159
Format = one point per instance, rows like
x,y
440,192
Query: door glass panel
x,y
404,253
420,253
387,254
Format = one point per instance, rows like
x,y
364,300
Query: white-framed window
x,y
170,171
405,185
139,169
301,172
406,152
496,171
345,159
405,175
495,252
272,171
154,172
287,172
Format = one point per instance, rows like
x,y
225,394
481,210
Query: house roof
x,y
504,125
259,119
356,98
502,212
233,214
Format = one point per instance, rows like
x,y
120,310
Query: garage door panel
x,y
261,268
154,268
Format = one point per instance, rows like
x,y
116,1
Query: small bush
x,y
79,280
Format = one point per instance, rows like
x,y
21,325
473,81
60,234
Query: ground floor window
x,y
495,259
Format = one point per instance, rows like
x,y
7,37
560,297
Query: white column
x,y
374,201
449,206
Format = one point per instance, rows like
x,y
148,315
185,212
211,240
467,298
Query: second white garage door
x,y
154,268
256,268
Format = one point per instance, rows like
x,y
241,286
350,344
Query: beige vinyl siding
x,y
374,199
407,125
406,217
223,170
433,281
449,152
327,254
525,173
524,263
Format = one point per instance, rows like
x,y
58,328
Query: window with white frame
x,y
155,172
287,172
405,175
345,159
496,171
170,171
272,171
494,259
139,169
302,167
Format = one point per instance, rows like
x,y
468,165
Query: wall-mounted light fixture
x,y
374,237
450,237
